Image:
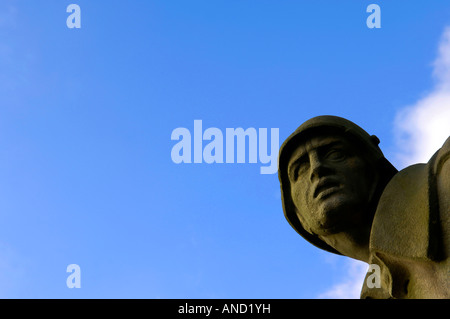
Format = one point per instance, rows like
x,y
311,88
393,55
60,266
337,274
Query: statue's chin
x,y
337,214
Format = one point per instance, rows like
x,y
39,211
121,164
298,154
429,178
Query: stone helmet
x,y
367,143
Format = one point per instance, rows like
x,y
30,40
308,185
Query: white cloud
x,y
351,282
422,128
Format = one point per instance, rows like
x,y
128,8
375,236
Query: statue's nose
x,y
318,167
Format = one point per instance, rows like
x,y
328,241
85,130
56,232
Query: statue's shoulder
x,y
401,223
442,157
411,209
410,237
441,169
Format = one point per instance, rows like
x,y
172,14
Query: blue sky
x,y
86,116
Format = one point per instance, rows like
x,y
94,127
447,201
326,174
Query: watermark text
x,y
235,146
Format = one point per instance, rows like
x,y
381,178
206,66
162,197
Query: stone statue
x,y
341,194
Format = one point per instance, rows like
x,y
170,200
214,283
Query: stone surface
x,y
341,194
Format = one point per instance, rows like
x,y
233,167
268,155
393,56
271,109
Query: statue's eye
x,y
301,168
298,168
336,155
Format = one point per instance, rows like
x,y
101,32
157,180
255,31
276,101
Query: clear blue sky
x,y
86,117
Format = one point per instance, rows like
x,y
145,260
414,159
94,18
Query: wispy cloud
x,y
18,56
11,271
350,284
8,14
8,17
423,127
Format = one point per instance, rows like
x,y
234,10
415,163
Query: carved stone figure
x,y
341,194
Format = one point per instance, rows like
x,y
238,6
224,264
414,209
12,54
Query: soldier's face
x,y
330,183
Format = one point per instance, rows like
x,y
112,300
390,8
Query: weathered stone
x,y
341,194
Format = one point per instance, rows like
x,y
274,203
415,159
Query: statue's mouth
x,y
326,187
